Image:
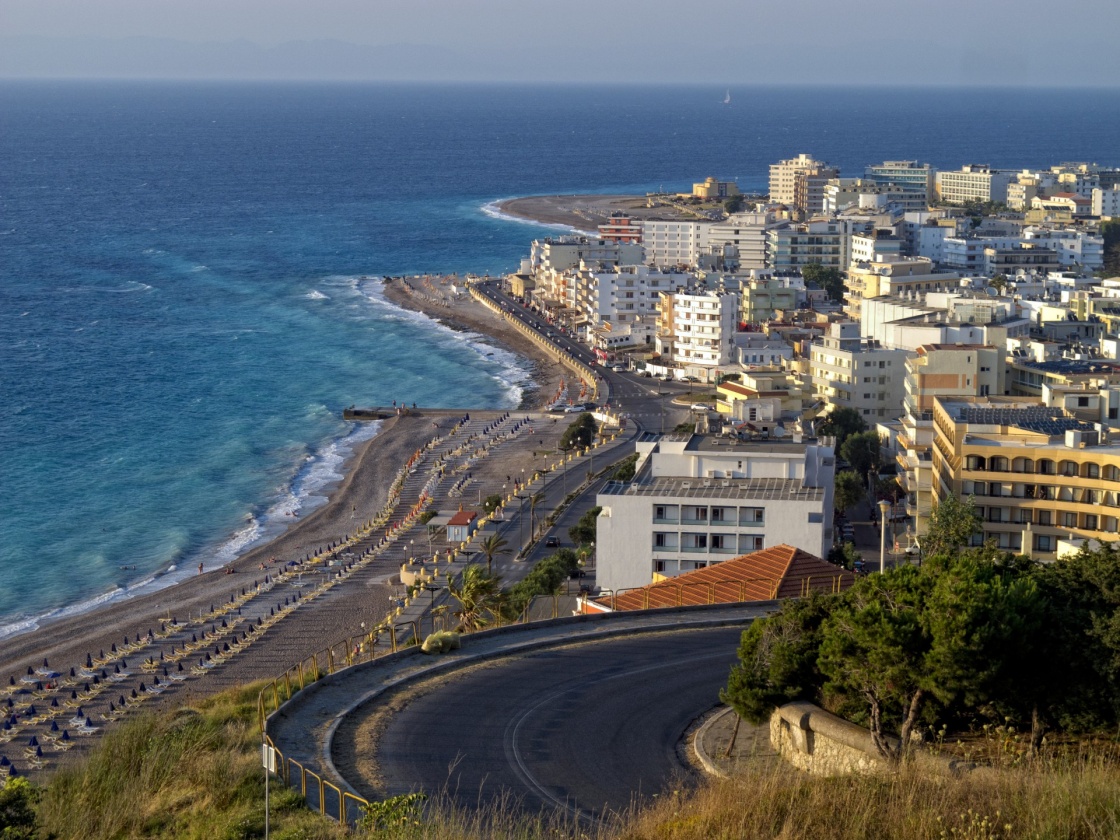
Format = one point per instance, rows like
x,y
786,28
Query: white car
x,y
702,407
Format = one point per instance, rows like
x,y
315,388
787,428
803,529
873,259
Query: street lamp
x,y
884,507
520,524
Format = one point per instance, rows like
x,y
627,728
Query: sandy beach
x,y
355,500
584,212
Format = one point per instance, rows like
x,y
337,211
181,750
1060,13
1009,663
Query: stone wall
x,y
818,742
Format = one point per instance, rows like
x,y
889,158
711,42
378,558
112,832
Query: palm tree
x,y
479,597
534,500
493,544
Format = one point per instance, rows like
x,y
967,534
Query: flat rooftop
x,y
731,489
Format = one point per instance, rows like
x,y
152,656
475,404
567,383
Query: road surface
x,y
588,728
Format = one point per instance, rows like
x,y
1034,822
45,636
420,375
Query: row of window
x,y
697,514
701,543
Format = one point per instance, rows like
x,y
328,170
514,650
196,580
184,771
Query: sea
x,y
189,292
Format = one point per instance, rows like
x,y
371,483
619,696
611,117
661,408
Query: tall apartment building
x,y
747,234
819,241
799,182
763,293
673,243
1106,202
849,371
865,194
560,253
975,182
697,500
1037,474
624,293
908,174
809,188
696,329
937,371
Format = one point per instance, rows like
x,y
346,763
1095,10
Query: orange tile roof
x,y
778,572
462,517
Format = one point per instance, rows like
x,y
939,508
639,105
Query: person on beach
x,y
200,568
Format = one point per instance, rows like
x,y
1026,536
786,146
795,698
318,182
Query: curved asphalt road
x,y
587,728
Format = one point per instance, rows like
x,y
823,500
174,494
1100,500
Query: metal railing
x,y
394,635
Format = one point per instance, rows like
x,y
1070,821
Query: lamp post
x,y
520,524
884,506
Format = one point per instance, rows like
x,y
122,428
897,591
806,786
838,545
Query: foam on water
x,y
493,209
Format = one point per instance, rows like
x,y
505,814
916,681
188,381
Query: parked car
x,y
690,379
702,407
552,542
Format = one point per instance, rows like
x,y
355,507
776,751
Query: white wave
x,y
493,210
24,625
315,294
515,377
197,268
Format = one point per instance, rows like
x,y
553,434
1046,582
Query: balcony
x,y
667,520
694,549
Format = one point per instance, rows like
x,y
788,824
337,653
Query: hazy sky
x,y
710,41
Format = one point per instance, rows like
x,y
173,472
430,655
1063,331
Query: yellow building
x,y
772,384
1037,474
711,188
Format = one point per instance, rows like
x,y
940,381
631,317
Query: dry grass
x,y
195,773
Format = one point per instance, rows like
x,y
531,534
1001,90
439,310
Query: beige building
x,y
906,277
800,182
938,371
850,372
711,188
975,182
1037,474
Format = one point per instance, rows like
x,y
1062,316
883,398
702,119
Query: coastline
x,y
366,476
581,213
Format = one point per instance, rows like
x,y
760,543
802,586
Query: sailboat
x,y
727,98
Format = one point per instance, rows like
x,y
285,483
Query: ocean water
x,y
182,310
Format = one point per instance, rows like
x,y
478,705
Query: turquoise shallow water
x,y
182,317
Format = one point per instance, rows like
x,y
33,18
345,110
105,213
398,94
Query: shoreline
x,y
361,490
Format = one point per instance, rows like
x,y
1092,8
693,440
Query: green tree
x,y
734,204
17,809
951,525
534,500
491,546
844,555
491,503
863,450
1076,675
579,434
778,659
583,532
841,423
874,648
848,490
479,597
545,578
625,471
1110,232
999,283
830,279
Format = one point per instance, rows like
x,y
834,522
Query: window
x,y
1042,542
1069,520
1044,517
1091,522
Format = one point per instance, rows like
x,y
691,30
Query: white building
x,y
697,500
673,243
624,293
975,182
696,329
1106,202
1075,247
849,371
908,174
